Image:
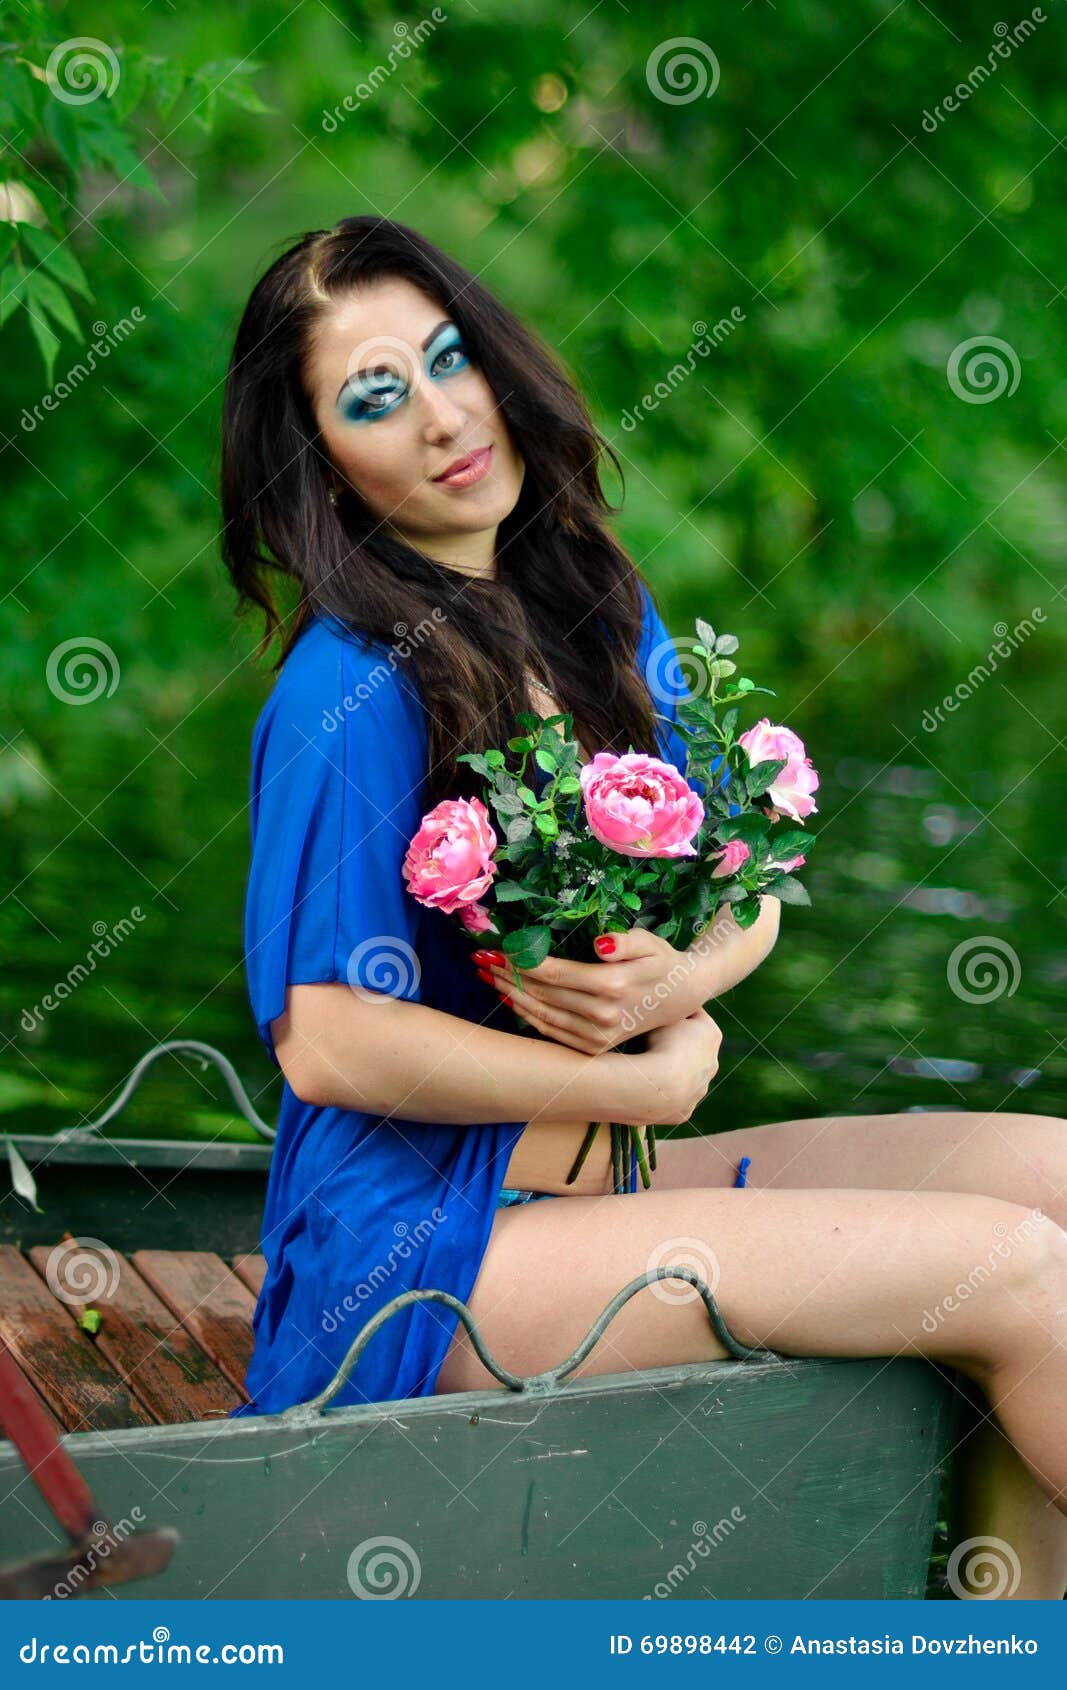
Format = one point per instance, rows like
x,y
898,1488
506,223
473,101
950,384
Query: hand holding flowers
x,y
622,849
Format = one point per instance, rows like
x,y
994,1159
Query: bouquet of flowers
x,y
547,861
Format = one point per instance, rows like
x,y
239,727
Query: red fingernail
x,y
489,956
605,944
484,974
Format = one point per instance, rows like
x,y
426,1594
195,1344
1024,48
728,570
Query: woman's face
x,y
398,402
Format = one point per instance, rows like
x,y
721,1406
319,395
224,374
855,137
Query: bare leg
x,y
1022,1158
849,1273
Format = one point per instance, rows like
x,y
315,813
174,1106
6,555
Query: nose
x,y
443,419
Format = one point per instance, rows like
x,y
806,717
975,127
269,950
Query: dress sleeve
x,y
337,763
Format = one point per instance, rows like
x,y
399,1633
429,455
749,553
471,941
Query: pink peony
x,y
639,805
794,785
733,855
448,864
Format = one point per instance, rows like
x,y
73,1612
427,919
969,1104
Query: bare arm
x,y
391,1056
725,953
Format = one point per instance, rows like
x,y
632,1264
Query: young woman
x,y
418,475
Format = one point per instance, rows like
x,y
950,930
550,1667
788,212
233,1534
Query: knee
x,y
1028,1259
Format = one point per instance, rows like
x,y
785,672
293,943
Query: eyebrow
x,y
446,323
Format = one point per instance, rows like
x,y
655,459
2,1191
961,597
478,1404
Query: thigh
x,y
807,1273
1021,1158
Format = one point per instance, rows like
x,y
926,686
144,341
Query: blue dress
x,y
360,1208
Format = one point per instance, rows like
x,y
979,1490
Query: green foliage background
x,y
815,485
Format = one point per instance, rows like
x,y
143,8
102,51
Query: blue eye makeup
x,y
376,393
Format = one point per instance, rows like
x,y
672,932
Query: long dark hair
x,y
566,598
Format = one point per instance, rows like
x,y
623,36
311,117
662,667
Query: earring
x,y
333,495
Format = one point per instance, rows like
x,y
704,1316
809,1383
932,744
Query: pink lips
x,y
474,467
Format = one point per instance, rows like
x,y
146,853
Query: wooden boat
x,y
760,1476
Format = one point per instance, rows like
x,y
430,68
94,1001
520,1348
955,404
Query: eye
x,y
456,352
372,395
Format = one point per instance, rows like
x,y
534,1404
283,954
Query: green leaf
x,y
495,759
90,1321
528,946
631,900
726,645
12,287
788,890
546,824
47,295
56,257
47,342
789,843
762,775
706,633
746,913
518,829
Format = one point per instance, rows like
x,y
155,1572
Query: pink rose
x,y
639,805
476,918
788,866
448,864
792,788
733,854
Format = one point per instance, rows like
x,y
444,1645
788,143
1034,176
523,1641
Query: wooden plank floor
x,y
173,1342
